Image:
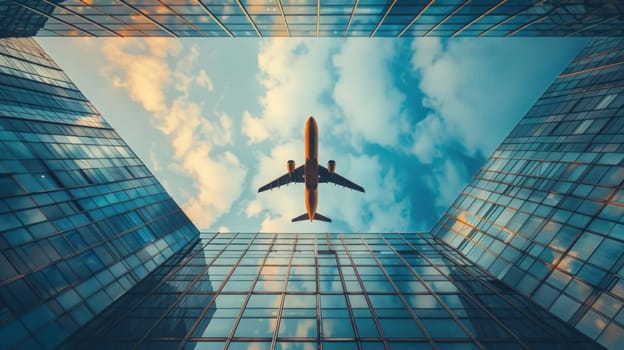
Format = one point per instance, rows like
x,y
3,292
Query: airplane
x,y
311,173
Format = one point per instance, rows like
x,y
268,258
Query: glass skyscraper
x,y
545,214
82,219
329,291
95,254
367,18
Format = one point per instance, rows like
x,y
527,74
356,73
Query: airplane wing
x,y
325,176
297,176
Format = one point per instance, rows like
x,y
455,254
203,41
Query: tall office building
x,y
94,253
82,219
381,18
545,214
324,291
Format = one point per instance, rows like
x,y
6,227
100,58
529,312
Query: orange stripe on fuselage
x,y
310,168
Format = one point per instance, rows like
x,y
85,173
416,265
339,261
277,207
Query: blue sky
x,y
409,119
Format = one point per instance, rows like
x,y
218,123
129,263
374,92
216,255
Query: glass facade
x,y
82,220
545,214
296,18
95,254
324,291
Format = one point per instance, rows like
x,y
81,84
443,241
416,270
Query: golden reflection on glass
x,y
566,263
296,346
253,346
607,305
90,120
136,18
510,234
162,10
461,225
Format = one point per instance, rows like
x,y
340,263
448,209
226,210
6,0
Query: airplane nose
x,y
311,123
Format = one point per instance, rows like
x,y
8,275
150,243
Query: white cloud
x,y
154,160
254,208
142,68
428,138
254,128
217,181
144,74
204,80
427,52
380,209
294,75
187,72
365,92
447,182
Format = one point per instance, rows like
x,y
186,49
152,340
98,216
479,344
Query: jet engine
x,y
331,166
290,167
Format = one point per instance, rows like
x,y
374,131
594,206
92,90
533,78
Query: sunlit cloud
x,y
294,76
217,180
204,80
253,209
154,159
144,74
143,69
254,128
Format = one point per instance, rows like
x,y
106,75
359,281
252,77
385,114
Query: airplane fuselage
x,y
310,168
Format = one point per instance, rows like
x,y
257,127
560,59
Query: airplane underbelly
x,y
311,197
311,174
310,169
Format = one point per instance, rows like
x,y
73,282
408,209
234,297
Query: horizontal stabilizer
x,y
301,217
320,217
317,216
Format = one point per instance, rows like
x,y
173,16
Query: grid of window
x,y
329,291
82,219
546,212
244,18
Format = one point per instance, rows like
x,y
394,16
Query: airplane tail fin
x,y
301,217
317,216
